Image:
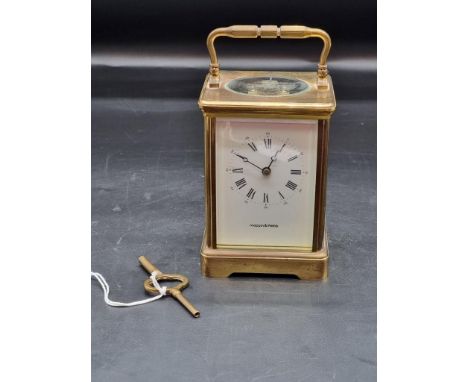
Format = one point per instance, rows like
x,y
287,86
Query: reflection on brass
x,y
306,265
175,292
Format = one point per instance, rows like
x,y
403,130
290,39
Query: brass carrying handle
x,y
270,31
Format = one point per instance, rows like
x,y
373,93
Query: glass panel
x,y
265,182
267,86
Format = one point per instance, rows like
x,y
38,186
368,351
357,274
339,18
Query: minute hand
x,y
245,159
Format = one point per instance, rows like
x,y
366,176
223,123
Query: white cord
x,y
105,287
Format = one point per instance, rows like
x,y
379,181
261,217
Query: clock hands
x,y
264,170
246,160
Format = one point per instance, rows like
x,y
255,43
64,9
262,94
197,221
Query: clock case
x,y
317,102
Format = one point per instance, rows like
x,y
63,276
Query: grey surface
x,y
147,199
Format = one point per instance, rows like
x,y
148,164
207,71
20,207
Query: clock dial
x,y
262,163
265,182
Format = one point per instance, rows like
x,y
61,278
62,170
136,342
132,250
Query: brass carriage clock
x,y
266,145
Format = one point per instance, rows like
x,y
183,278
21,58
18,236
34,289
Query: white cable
x,y
105,287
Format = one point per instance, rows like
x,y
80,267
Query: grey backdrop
x,y
148,65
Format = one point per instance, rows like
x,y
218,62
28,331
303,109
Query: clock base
x,y
217,262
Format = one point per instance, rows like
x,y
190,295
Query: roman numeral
x,y
280,194
265,198
251,193
238,170
252,146
295,172
267,143
241,183
291,185
292,158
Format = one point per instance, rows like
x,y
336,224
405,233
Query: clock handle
x,y
269,31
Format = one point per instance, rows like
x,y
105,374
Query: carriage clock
x,y
266,146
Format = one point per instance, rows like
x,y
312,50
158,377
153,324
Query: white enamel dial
x,y
266,169
265,182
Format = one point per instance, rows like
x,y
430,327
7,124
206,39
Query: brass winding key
x,y
175,292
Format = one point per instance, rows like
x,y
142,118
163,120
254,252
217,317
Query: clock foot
x,y
305,265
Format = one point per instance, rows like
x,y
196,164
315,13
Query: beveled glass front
x,y
265,182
